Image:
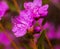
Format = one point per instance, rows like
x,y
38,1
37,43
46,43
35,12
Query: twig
x,y
46,37
48,42
16,5
13,43
43,45
33,44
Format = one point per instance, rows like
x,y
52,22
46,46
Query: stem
x,y
46,37
13,43
33,44
16,5
42,45
48,42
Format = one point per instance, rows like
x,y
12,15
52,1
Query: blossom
x,y
37,28
31,5
26,17
22,23
36,8
3,8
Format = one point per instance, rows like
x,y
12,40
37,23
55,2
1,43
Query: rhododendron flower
x,y
3,8
37,29
26,17
31,5
36,8
22,23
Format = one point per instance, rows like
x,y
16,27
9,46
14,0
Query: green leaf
x,y
41,39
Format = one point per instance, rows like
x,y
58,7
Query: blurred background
x,y
53,29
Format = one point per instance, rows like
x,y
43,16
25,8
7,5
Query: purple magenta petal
x,y
37,2
4,39
28,5
22,23
3,8
40,21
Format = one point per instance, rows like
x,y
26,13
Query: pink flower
x,y
31,5
22,23
3,8
36,8
26,17
4,39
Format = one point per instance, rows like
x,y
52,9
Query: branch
x,y
16,5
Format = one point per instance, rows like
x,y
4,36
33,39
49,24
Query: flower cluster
x,y
3,8
26,18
